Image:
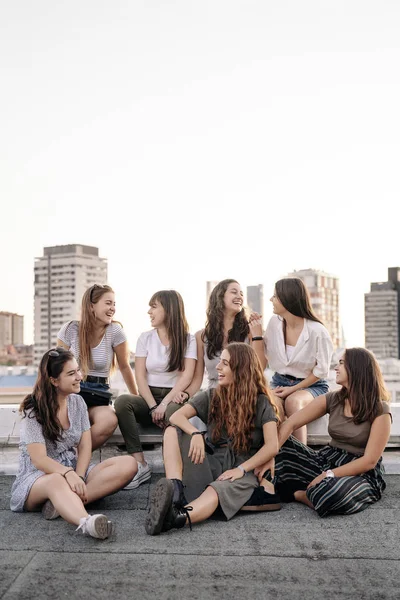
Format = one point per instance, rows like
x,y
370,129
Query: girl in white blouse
x,y
164,365
298,349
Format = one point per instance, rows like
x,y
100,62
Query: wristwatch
x,y
329,473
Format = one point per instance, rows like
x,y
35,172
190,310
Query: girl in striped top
x,y
98,344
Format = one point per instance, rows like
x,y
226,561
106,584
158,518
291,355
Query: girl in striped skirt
x,y
346,476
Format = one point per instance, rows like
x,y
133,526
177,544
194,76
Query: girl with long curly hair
x,y
346,476
226,322
164,365
55,473
220,467
98,343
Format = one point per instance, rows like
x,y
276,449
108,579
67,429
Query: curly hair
x,y
213,333
233,407
43,402
176,325
366,388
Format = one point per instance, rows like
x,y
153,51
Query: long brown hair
x,y
43,399
294,296
233,407
213,334
87,326
176,325
366,388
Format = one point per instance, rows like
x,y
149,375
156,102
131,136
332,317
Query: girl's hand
x,y
158,414
231,475
180,398
255,324
317,480
77,485
260,471
197,449
283,392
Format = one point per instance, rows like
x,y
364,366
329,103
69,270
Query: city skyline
x,y
199,141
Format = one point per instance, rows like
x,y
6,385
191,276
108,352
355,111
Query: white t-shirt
x,y
102,355
312,353
149,346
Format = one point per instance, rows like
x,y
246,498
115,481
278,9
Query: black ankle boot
x,y
177,513
167,507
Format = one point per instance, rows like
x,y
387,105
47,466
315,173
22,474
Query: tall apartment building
x,y
62,275
382,316
11,329
255,298
210,285
324,293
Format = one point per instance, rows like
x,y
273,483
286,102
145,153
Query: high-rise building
x,y
62,275
11,329
255,298
210,285
382,316
324,292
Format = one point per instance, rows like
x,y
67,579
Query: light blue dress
x,y
63,451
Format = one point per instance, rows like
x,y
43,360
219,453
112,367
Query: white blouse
x,y
312,353
149,346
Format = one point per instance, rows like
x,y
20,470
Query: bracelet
x,y
187,393
197,433
83,479
152,408
242,469
69,471
257,338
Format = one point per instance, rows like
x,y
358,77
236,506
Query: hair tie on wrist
x,y
257,338
197,433
64,474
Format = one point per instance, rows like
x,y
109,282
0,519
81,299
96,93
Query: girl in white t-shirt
x,y
164,365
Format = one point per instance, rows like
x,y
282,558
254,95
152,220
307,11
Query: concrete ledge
x,y
317,431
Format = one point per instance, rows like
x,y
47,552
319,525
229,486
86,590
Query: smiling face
x,y
104,309
69,380
342,377
157,314
225,374
233,298
277,305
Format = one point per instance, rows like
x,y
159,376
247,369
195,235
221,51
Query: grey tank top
x,y
211,367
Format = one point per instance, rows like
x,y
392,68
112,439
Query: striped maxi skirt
x,y
296,462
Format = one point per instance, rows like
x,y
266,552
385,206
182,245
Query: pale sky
x,y
195,141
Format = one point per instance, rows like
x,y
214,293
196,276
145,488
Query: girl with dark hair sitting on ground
x,y
298,348
164,365
346,476
54,471
221,468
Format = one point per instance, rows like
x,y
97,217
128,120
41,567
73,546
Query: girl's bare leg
x,y
172,454
204,506
110,476
54,487
103,424
295,402
301,496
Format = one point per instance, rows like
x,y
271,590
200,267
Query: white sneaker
x,y
98,526
143,474
49,512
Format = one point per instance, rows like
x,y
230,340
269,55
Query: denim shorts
x,y
318,388
95,394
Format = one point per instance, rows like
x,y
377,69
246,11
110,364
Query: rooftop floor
x,y
291,554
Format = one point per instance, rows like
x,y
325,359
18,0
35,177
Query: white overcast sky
x,y
201,140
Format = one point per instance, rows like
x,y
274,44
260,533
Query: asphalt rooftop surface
x,y
291,554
